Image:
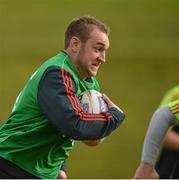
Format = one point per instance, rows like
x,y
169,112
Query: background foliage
x,y
142,63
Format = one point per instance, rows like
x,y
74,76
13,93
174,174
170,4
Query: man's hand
x,y
145,171
62,175
91,142
109,103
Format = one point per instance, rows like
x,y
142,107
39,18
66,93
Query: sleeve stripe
x,y
67,78
174,107
175,110
74,100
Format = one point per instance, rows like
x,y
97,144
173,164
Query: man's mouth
x,y
96,65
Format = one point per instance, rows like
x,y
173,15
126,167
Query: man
x,y
167,164
162,119
47,116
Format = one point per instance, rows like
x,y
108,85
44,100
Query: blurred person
x,y
47,117
167,164
167,116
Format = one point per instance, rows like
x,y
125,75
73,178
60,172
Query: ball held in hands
x,y
92,102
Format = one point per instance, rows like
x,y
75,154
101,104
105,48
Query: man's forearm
x,y
161,120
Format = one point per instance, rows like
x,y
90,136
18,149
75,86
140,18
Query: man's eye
x,y
99,49
96,50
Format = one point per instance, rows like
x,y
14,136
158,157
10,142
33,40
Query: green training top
x,y
28,139
172,100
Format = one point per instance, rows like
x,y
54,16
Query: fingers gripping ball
x,y
92,102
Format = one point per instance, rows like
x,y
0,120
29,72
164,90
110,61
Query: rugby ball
x,y
92,102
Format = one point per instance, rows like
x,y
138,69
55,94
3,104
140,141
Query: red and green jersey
x,y
172,100
47,116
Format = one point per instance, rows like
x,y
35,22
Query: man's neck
x,y
73,58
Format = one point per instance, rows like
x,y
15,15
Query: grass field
x,y
142,63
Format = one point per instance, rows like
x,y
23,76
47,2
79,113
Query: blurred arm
x,y
161,120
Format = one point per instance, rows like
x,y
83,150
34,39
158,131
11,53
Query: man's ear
x,y
75,44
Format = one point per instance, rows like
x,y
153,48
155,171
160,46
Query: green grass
x,y
142,63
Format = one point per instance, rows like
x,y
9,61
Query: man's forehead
x,y
100,38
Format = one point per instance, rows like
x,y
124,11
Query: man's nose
x,y
102,58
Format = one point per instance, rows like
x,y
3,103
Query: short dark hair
x,y
82,27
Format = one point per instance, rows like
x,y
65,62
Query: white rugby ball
x,y
92,102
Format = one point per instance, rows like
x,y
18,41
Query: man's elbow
x,y
75,134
